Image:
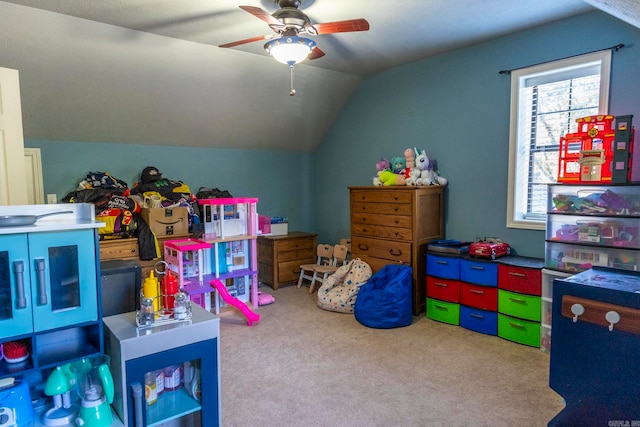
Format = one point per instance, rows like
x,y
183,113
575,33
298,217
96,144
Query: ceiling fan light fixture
x,y
290,49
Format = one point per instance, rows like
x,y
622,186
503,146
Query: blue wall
x,y
279,179
456,106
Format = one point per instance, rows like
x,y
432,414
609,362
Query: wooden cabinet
x,y
280,257
128,249
394,225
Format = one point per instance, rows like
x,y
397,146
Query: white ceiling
x,y
190,92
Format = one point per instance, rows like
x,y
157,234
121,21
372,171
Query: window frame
x,y
604,57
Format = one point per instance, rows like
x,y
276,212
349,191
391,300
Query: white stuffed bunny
x,y
428,175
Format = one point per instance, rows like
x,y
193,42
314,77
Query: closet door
x,y
13,189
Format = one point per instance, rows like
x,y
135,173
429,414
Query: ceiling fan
x,y
288,23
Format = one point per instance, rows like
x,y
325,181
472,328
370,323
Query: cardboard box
x,y
167,221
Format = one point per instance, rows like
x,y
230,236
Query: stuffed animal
x,y
382,165
428,175
411,176
388,178
398,164
409,158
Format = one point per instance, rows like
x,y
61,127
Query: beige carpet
x,y
303,366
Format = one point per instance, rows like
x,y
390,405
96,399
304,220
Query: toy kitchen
x,y
61,362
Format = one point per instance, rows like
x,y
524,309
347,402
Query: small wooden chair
x,y
324,254
321,272
347,243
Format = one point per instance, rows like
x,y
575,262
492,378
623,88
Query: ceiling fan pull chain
x,y
293,91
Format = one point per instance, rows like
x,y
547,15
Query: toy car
x,y
489,248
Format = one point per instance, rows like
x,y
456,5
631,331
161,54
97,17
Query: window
x,y
546,100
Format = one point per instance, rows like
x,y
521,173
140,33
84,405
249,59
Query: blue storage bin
x,y
479,272
446,267
482,321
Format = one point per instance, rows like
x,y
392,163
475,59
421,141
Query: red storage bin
x,y
443,289
478,296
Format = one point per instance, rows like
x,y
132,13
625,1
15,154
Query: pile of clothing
x,y
119,207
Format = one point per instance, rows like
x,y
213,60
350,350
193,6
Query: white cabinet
x,y
587,226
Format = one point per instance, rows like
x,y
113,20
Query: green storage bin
x,y
519,330
519,305
442,311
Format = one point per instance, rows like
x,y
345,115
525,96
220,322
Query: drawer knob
x,y
476,291
395,253
442,285
363,247
517,274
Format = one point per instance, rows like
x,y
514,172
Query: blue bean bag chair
x,y
384,302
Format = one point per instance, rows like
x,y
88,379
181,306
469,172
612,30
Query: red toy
x,y
490,247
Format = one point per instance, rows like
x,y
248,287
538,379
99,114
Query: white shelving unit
x,y
588,225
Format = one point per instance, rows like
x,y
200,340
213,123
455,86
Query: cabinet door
x,y
64,282
175,404
15,291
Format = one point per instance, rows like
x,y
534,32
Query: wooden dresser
x,y
280,257
394,225
128,249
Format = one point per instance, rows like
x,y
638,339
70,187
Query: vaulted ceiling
x,y
151,71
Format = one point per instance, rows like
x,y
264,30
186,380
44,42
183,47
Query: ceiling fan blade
x,y
245,41
342,26
316,53
261,14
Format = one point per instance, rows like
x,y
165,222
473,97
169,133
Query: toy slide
x,y
240,305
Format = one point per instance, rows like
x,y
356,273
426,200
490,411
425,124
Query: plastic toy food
x,y
489,248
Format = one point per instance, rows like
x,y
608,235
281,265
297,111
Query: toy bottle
x,y
169,289
151,289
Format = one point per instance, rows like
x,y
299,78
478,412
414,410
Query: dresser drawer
x,y
385,220
119,249
290,271
443,266
442,311
482,321
383,249
519,279
380,195
403,209
381,231
479,272
443,289
478,296
519,305
295,244
518,330
296,255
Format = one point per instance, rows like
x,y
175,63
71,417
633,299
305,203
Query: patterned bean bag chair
x,y
385,300
339,291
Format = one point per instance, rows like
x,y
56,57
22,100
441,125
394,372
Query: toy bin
x,y
443,289
519,330
485,322
446,312
446,267
479,272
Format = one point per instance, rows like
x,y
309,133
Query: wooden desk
x,y
280,257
